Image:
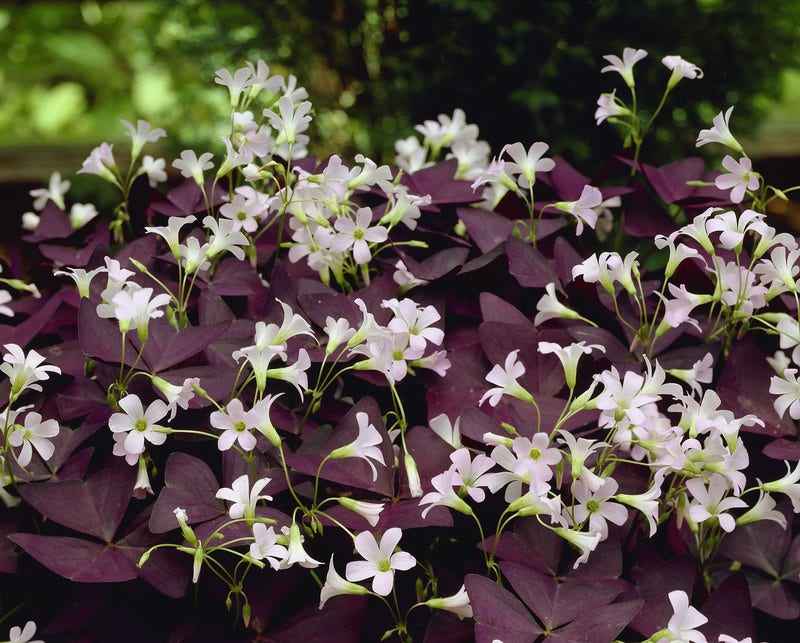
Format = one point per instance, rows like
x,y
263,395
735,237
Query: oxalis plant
x,y
462,398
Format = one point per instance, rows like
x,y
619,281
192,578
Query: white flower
x,y
5,297
720,133
569,356
54,192
192,167
266,547
458,603
586,543
685,619
365,446
101,162
243,497
138,425
296,552
236,84
225,235
609,106
25,370
380,560
23,635
80,214
711,501
236,425
526,164
449,432
624,67
357,235
34,434
787,485
141,135
583,209
548,306
335,585
680,69
370,511
135,309
505,377
155,170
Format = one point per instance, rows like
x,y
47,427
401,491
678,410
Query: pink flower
x,y
680,69
685,619
380,560
609,106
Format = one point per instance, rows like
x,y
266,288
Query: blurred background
x,y
521,69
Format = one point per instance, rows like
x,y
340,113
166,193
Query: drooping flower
x,y
365,446
380,560
458,603
55,192
680,69
609,106
335,585
584,208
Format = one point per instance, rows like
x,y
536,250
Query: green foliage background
x,y
521,69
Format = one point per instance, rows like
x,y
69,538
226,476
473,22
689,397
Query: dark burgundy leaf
x,y
167,347
76,559
528,265
313,625
498,613
100,338
233,277
438,182
783,449
437,265
53,224
677,573
166,569
94,506
487,229
743,388
23,333
598,625
9,523
645,218
670,181
351,471
77,257
728,611
189,483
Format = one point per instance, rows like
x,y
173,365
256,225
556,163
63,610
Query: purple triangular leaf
x,y
100,338
528,265
498,613
352,471
189,483
598,625
166,569
743,388
728,611
94,506
167,347
76,559
487,229
438,181
677,573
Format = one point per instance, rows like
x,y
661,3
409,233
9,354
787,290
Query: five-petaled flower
x,y
380,560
